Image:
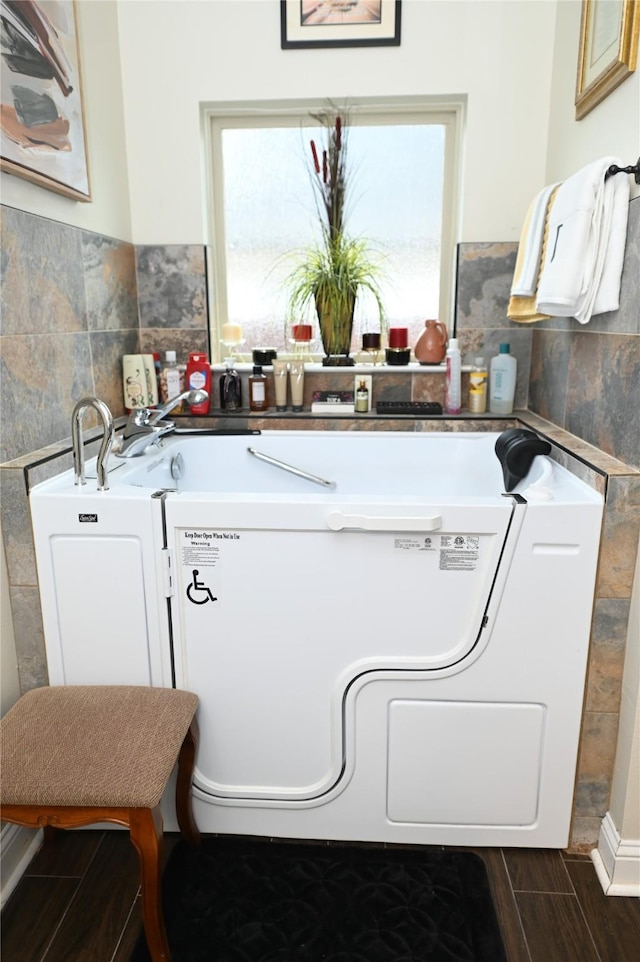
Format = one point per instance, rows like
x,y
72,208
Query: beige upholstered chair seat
x,y
93,745
76,755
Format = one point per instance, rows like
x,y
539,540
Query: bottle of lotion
x,y
453,376
502,381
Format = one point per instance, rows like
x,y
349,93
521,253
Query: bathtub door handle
x,y
338,521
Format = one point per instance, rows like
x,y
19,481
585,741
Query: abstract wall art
x,y
42,129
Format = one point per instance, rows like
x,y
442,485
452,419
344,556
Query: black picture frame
x,y
298,31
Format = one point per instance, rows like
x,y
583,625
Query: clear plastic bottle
x,y
478,387
171,381
502,381
453,379
230,388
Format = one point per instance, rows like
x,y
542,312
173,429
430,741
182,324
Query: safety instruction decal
x,y
203,547
200,551
456,552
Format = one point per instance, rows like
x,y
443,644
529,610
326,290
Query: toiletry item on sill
x,y
332,402
157,363
264,356
453,379
363,385
230,388
296,378
502,381
258,394
139,381
199,378
280,378
172,381
478,386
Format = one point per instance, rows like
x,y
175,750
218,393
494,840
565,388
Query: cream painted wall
x,y
178,55
613,127
109,212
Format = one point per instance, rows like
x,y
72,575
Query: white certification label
x,y
459,552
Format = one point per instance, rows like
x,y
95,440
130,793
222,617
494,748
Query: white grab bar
x,y
337,521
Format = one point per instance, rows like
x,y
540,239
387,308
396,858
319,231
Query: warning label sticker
x,y
203,547
459,552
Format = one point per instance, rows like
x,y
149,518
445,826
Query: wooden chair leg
x,y
184,806
145,828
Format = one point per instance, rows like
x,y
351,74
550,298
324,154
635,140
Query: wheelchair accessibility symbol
x,y
197,591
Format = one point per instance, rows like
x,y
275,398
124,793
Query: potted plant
x,y
332,273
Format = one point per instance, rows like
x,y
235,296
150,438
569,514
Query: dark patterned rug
x,y
237,900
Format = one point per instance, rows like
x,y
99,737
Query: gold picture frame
x,y
608,49
42,124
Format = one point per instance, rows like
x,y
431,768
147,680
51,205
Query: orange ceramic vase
x,y
432,343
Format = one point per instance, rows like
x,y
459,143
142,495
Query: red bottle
x,y
199,378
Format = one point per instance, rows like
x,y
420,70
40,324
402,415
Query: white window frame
x,y
448,112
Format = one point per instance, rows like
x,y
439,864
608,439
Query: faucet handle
x,y
140,416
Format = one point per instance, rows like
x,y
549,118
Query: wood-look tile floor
x,y
79,902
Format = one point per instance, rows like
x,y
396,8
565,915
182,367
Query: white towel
x,y
587,232
525,276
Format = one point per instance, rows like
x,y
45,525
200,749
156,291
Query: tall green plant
x,y
333,272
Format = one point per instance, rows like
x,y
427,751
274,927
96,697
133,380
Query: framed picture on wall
x,y
339,23
42,129
608,49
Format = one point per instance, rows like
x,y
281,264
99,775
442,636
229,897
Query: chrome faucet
x,y
146,426
78,441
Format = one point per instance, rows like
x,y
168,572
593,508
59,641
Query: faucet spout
x,y
78,441
146,426
197,396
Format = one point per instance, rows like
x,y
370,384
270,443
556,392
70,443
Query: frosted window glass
x,y
395,202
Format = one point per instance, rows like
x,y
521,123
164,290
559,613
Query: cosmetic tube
x,y
296,376
280,370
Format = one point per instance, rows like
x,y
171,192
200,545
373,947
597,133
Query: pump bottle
x,y
258,400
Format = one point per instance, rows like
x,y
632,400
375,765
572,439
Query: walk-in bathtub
x,y
385,643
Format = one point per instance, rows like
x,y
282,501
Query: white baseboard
x,y
617,861
18,845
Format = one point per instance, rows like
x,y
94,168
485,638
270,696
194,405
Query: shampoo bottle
x,y
502,381
258,400
453,376
199,378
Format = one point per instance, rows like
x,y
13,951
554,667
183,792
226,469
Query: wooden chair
x,y
76,755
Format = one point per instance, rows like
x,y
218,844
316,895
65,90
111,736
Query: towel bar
x,y
632,169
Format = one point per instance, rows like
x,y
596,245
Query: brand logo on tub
x,y
91,518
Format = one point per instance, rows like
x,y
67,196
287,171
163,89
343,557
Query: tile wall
x,y
73,302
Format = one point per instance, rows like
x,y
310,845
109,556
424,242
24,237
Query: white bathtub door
x,y
275,613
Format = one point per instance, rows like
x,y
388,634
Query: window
x,y
402,165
